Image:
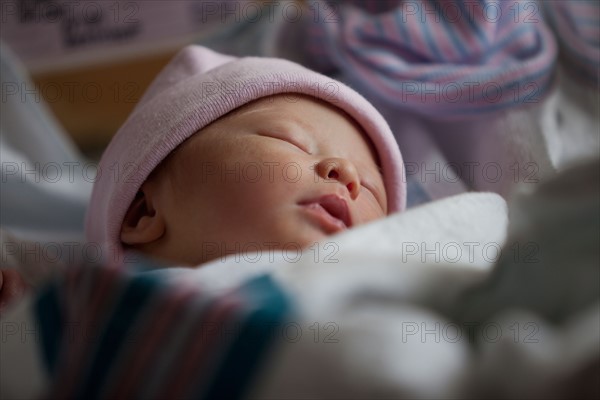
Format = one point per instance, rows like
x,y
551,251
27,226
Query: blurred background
x,y
91,61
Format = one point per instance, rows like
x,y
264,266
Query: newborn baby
x,y
224,155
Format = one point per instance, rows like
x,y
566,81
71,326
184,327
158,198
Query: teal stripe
x,y
426,33
51,323
401,28
269,307
132,303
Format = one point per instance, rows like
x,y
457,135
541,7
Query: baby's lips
x,y
335,205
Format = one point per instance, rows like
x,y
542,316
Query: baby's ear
x,y
143,223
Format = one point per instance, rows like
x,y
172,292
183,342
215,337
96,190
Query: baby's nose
x,y
343,171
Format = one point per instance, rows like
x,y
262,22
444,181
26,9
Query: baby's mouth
x,y
330,212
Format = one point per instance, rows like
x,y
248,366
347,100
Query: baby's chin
x,y
301,234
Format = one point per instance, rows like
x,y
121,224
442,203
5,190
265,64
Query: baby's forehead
x,y
315,118
293,107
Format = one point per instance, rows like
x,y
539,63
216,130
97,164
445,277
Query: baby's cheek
x,y
369,210
263,195
271,178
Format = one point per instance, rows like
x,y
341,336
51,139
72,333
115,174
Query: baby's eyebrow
x,y
307,127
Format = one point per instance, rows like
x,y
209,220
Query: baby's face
x,y
279,173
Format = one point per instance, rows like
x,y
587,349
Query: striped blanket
x,y
448,59
106,333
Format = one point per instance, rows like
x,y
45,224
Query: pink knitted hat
x,y
197,87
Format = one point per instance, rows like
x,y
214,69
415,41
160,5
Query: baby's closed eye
x,y
286,138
